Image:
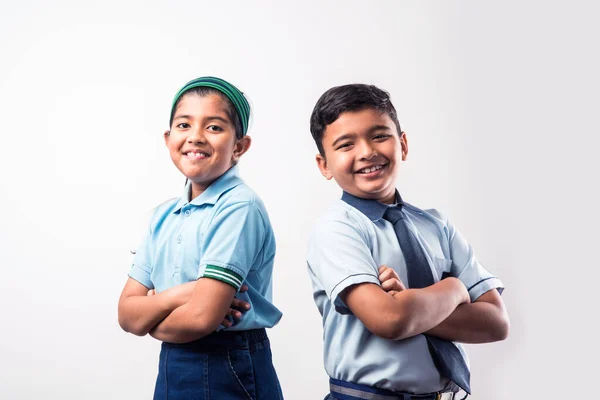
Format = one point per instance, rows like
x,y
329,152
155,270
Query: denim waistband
x,y
225,340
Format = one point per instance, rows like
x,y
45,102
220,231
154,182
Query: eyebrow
x,y
352,135
209,118
378,128
342,138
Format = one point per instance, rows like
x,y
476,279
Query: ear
x,y
322,164
167,136
404,145
240,148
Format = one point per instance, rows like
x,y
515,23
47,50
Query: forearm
x,y
199,316
139,314
478,322
420,310
181,326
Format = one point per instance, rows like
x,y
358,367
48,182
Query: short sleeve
x,y
141,268
233,243
338,256
467,268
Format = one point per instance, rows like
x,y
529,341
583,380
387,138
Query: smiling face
x,y
362,151
202,141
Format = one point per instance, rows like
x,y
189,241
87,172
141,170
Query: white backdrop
x,y
499,102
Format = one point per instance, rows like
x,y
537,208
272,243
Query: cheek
x,y
223,148
172,149
341,167
347,161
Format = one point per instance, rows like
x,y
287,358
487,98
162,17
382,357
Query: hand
x,y
390,281
236,305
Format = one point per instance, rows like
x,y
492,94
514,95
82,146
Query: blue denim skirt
x,y
220,366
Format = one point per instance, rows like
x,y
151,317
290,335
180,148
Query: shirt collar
x,y
373,209
228,180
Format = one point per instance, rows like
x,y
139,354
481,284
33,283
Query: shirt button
x,y
178,239
187,213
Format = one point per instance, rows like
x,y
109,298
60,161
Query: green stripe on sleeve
x,y
224,275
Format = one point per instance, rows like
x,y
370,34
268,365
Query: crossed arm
x,y
442,309
180,314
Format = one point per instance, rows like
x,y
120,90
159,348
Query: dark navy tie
x,y
448,358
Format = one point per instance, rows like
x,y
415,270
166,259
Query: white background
x,y
499,101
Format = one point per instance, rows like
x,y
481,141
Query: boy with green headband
x,y
206,256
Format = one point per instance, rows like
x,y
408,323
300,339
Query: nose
x,y
366,150
196,136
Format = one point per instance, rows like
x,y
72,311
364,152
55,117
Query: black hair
x,y
206,91
354,97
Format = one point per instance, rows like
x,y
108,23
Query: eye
x,y
381,137
345,146
183,125
214,128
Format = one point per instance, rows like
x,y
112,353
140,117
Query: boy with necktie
x,y
398,287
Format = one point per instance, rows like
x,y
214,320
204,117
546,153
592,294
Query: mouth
x,y
371,170
195,154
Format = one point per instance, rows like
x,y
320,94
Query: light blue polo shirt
x,y
223,234
346,247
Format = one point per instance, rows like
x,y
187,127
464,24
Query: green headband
x,y
233,94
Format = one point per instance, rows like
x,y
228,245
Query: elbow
x,y
396,326
131,327
502,328
398,322
393,333
199,326
205,327
402,328
498,328
124,323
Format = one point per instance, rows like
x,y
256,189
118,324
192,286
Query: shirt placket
x,y
180,238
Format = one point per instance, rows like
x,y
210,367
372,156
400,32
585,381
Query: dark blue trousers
x,y
220,366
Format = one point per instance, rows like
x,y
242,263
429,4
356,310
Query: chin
x,y
375,191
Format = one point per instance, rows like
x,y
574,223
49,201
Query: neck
x,y
197,189
389,198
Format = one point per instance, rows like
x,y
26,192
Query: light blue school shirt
x,y
223,234
346,247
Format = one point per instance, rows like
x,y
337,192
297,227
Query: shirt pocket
x,y
441,267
